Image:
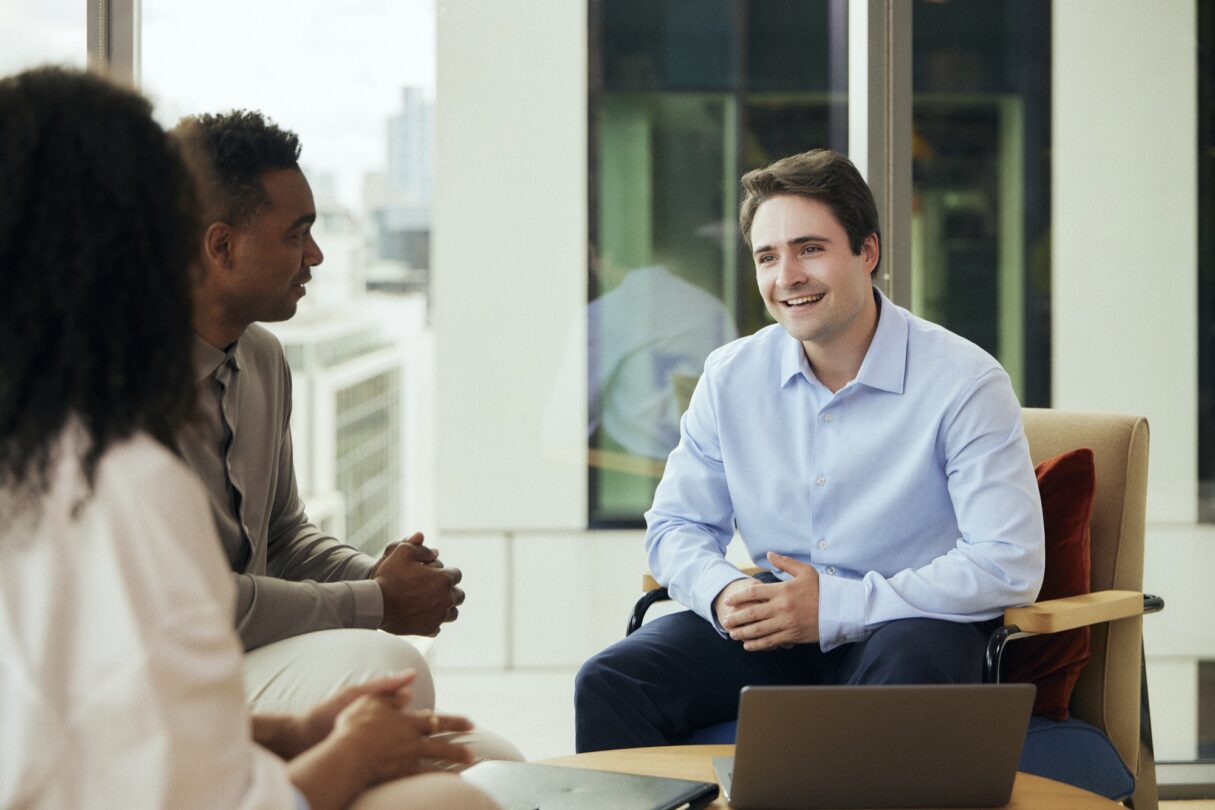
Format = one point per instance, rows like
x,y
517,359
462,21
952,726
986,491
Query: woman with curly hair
x,y
120,671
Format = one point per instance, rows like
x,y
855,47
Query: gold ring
x,y
434,723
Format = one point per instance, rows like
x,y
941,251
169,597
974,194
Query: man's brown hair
x,y
820,174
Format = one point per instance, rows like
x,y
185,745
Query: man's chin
x,y
284,313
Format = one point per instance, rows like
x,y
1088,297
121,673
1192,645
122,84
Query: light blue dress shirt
x,y
910,490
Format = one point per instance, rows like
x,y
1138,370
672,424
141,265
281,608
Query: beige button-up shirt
x,y
291,578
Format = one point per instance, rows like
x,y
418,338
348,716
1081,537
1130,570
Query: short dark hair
x,y
230,152
98,232
820,174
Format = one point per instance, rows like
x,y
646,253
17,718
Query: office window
x,y
685,96
356,83
981,164
41,32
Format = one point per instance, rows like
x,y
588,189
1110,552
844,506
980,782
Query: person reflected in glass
x,y
649,335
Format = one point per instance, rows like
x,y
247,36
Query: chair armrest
x,y
652,591
1070,612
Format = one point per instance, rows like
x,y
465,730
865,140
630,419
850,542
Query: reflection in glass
x,y
981,167
685,96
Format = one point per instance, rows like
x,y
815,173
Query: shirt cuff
x,y
368,604
709,584
844,622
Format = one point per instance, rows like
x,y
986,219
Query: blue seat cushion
x,y
722,733
1074,752
1068,751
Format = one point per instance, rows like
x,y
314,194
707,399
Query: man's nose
x,y
789,273
313,255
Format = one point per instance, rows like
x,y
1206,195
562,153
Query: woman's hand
x,y
374,739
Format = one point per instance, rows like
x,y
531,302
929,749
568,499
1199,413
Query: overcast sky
x,y
332,70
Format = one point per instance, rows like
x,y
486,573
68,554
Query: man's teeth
x,y
809,299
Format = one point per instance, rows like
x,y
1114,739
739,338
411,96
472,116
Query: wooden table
x,y
696,762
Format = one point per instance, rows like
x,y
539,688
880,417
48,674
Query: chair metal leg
x,y
993,660
1146,795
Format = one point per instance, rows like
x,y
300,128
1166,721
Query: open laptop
x,y
876,746
524,786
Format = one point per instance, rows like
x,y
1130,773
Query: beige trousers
x,y
430,790
292,675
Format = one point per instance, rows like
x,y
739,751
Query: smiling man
x,y
873,463
307,605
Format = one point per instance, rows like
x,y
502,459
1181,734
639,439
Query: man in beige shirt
x,y
308,606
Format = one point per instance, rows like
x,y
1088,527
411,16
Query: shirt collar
x,y
208,359
885,363
793,361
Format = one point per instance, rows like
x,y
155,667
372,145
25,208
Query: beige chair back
x,y
1107,694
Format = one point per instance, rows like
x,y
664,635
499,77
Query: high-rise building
x,y
346,424
399,201
411,148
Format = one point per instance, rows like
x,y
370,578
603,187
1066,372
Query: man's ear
x,y
871,251
217,245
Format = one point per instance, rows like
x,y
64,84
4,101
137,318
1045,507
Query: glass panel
x,y
981,163
685,96
42,32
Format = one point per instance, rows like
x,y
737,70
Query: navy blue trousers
x,y
676,674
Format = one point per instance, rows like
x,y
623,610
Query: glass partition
x,y
981,164
685,96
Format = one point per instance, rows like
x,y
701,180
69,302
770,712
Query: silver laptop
x,y
876,746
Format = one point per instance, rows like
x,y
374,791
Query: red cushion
x,y
1053,661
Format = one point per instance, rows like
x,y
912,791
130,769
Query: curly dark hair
x,y
230,152
99,229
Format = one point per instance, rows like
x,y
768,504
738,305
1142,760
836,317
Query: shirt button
x,y
822,543
821,481
831,570
828,417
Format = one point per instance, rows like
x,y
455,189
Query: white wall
x,y
1124,324
510,274
510,263
1124,226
